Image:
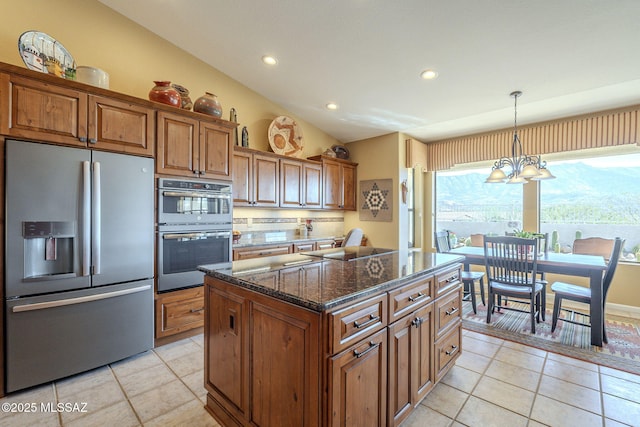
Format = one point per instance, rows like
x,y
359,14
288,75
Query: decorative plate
x,y
285,137
341,151
41,52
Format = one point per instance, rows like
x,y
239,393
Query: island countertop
x,y
320,283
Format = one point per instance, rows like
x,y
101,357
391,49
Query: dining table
x,y
569,264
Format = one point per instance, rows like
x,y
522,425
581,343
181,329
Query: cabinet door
x,y
120,126
215,151
177,140
358,384
291,182
242,173
179,311
332,184
349,188
410,378
266,170
312,190
226,348
40,111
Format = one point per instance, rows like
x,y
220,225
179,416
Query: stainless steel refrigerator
x,y
79,260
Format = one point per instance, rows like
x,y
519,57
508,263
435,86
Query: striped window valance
x,y
603,129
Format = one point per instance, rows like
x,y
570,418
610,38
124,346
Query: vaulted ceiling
x,y
568,57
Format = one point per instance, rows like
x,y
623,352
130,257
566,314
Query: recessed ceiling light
x,y
332,106
269,60
429,74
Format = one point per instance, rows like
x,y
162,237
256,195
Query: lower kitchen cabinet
x,y
260,251
358,384
179,311
410,362
365,362
262,360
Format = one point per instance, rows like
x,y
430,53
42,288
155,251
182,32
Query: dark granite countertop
x,y
331,282
249,239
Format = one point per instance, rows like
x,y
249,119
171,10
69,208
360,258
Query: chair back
x,y
594,246
477,240
511,260
442,241
614,256
353,238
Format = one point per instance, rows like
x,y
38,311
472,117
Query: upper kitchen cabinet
x,y
64,114
255,178
339,183
300,184
193,147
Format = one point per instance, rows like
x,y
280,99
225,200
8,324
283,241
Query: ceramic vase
x,y
186,102
208,104
163,92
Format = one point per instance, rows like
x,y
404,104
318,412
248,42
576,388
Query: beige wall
x,y
134,57
379,158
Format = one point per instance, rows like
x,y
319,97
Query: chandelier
x,y
522,166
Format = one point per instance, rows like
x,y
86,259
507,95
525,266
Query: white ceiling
x,y
567,56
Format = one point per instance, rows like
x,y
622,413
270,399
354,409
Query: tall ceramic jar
x,y
208,104
163,92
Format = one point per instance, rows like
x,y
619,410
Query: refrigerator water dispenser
x,y
48,248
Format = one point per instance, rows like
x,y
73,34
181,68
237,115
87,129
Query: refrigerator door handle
x,y
78,300
96,211
86,218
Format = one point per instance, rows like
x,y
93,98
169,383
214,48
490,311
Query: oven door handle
x,y
175,236
194,194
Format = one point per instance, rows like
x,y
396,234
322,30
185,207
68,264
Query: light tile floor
x,y
494,383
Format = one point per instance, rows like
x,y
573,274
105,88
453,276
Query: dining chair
x,y
353,238
543,247
582,294
468,278
594,246
512,267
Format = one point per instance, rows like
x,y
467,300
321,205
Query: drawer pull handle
x,y
453,310
372,345
454,348
372,319
417,297
196,310
417,322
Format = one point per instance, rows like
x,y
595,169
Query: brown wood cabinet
x,y
261,251
410,362
267,362
61,114
358,384
179,311
300,184
262,360
256,178
338,183
193,147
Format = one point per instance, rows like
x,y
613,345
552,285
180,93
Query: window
x,y
465,205
593,197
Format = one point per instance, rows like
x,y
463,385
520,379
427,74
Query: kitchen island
x,y
345,336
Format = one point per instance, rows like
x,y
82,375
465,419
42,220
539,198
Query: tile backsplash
x,y
324,223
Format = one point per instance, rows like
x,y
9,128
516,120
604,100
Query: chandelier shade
x,y
520,168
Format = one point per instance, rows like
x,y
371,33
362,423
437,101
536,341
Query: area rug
x,y
621,352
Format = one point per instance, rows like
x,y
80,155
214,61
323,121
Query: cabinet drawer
x,y
240,254
446,280
447,350
448,311
408,297
355,322
179,311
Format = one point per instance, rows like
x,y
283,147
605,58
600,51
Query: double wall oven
x,y
195,222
